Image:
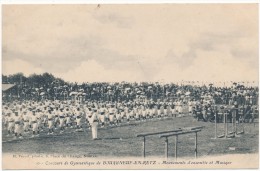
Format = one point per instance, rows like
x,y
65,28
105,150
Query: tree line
x,y
32,80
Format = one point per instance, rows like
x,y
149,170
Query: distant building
x,y
9,90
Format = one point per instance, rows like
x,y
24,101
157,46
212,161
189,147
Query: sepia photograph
x,y
130,86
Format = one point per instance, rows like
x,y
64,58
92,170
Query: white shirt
x,y
50,116
111,110
17,118
93,117
34,117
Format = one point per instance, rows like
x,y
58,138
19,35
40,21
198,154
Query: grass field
x,y
122,141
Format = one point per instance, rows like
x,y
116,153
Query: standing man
x,y
55,113
62,120
17,127
118,116
68,114
143,111
10,119
102,112
89,116
40,116
122,112
127,113
111,114
180,108
5,116
155,111
78,114
161,111
35,124
50,122
26,122
94,124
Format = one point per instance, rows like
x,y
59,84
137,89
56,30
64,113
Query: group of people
x,y
234,111
123,91
21,118
25,116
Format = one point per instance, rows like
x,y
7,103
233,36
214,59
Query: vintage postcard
x,y
130,86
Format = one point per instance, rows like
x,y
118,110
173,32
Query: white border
x,y
122,1
4,2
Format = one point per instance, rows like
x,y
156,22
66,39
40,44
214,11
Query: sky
x,y
169,43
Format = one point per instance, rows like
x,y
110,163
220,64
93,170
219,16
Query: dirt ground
x,y
122,141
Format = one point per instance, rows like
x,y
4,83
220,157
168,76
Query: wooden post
x,y
235,122
144,147
176,141
176,144
253,116
242,123
225,124
196,145
215,125
166,147
243,128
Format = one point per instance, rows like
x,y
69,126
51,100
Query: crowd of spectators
x,y
56,89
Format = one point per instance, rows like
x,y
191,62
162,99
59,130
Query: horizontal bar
x,y
193,128
239,108
156,133
180,133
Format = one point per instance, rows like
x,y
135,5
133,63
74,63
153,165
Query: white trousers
x,y
10,126
26,126
94,129
78,121
35,126
17,128
102,118
50,123
62,121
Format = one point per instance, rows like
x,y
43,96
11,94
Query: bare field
x,y
122,141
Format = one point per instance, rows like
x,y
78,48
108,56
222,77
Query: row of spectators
x,y
131,91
